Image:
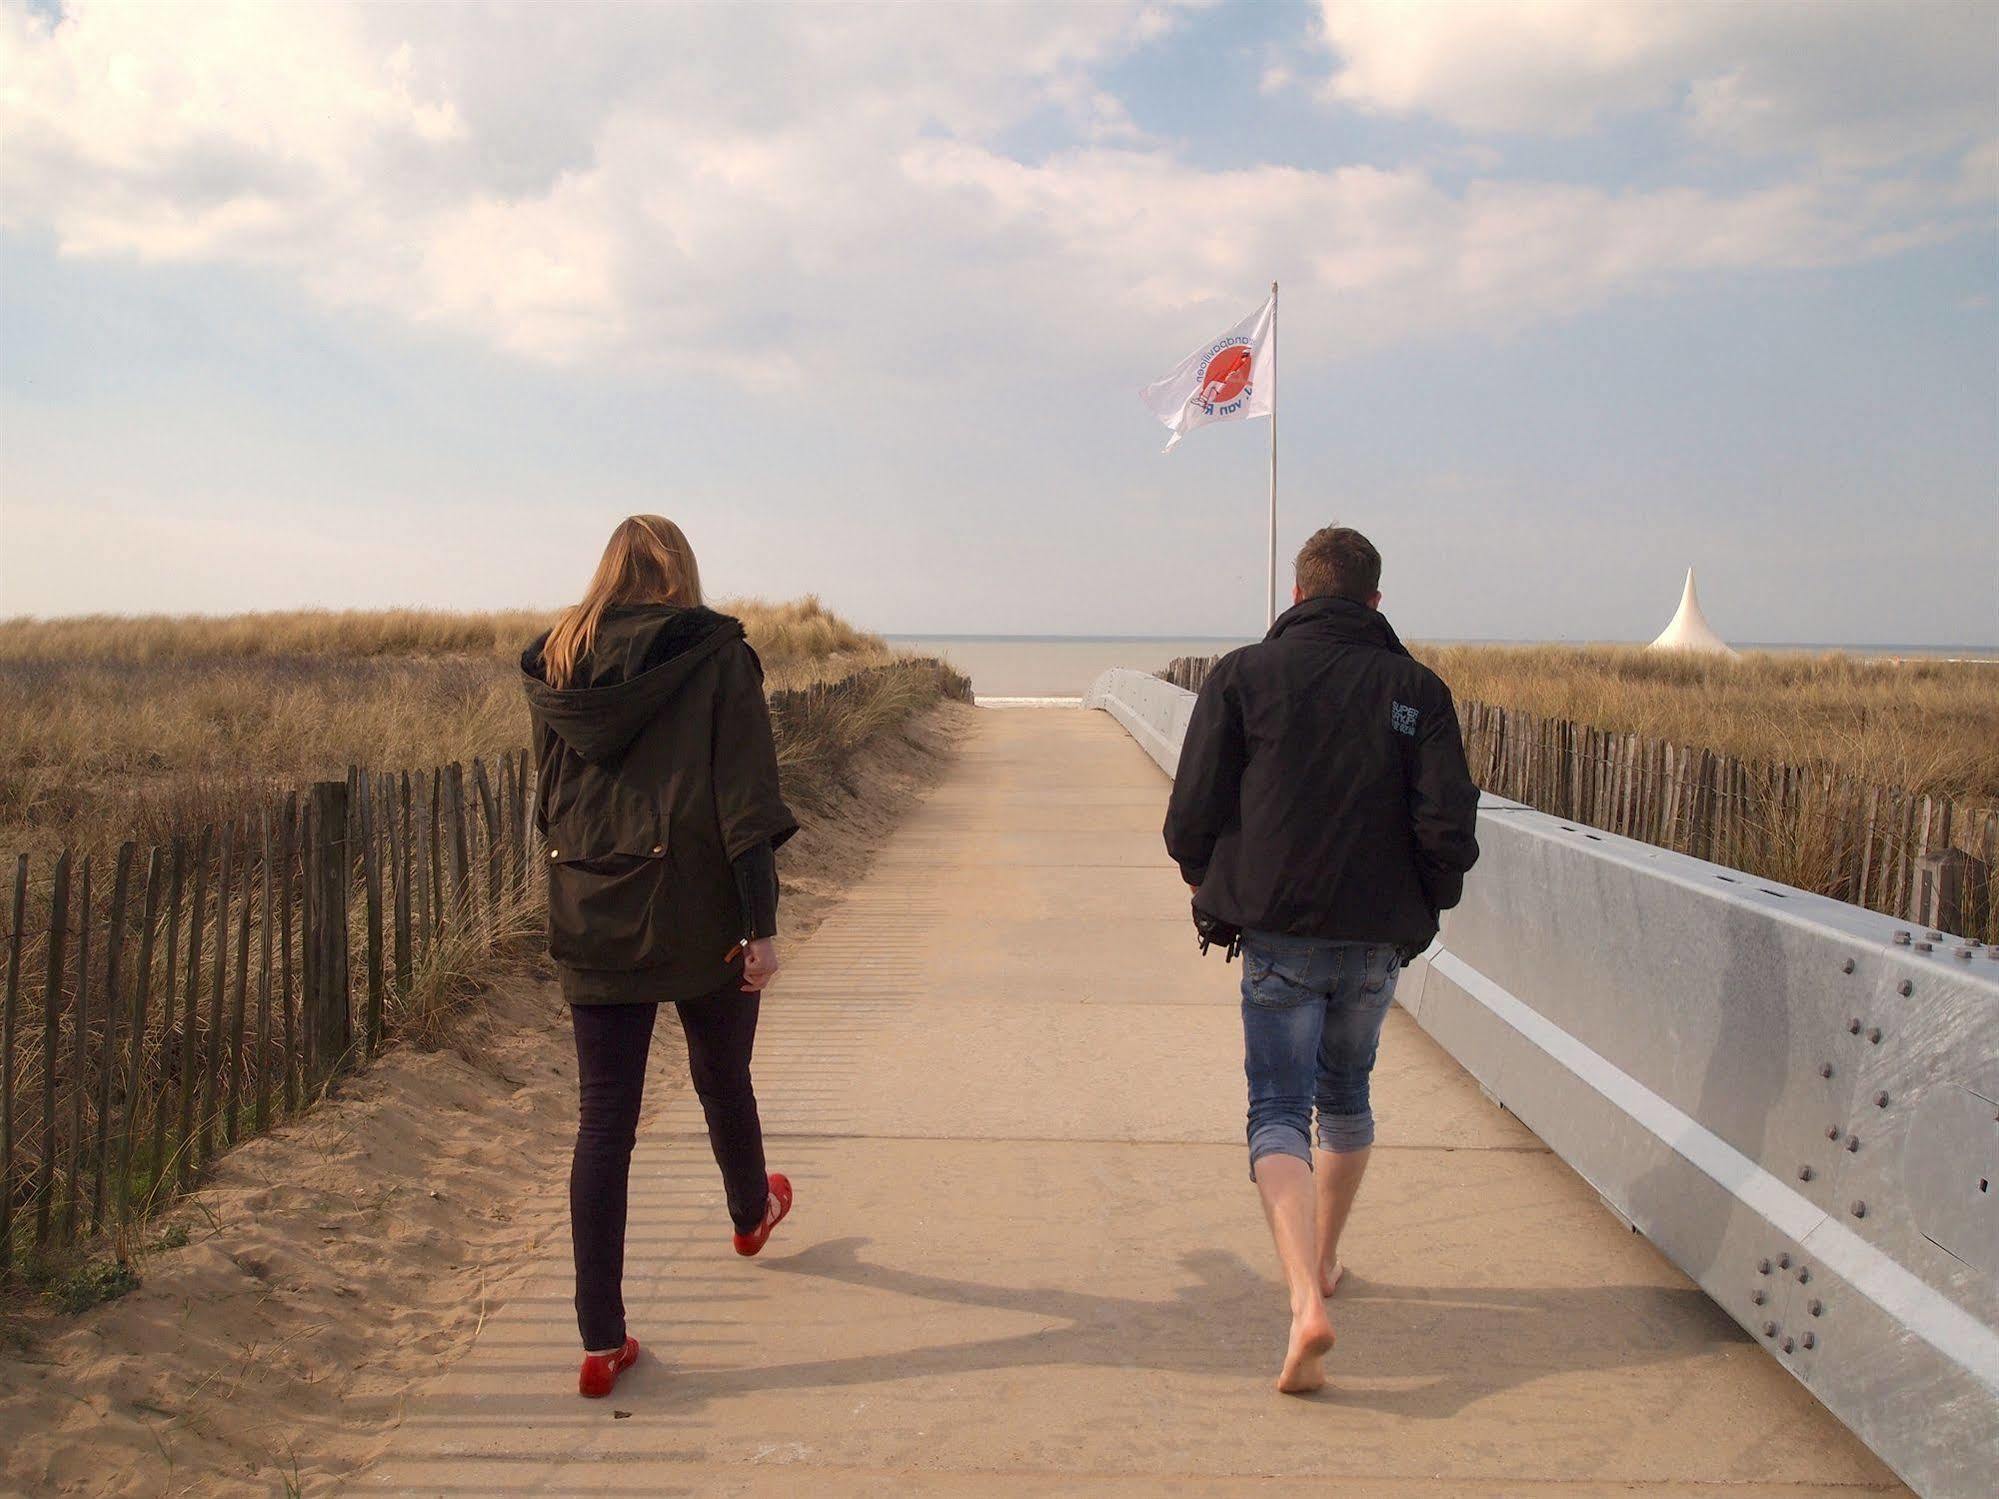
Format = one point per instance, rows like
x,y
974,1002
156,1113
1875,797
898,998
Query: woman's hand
x,y
760,964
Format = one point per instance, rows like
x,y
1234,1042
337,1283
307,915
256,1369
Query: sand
x,y
336,1266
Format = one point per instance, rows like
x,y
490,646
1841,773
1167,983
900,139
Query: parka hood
x,y
643,656
1339,619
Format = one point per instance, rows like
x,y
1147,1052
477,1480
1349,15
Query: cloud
x,y
1378,256
1861,83
773,195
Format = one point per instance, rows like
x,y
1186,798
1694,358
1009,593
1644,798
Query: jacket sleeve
x,y
1207,785
1443,806
756,890
748,801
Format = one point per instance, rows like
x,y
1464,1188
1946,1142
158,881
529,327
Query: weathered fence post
x,y
240,1005
79,1079
157,1161
261,1119
211,1062
8,1022
495,856
328,1023
403,863
1950,890
293,850
371,875
460,855
51,1030
107,1041
142,981
184,1144
434,909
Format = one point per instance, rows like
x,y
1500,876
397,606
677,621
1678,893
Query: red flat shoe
x,y
775,1211
601,1370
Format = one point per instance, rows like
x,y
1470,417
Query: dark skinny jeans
x,y
611,1046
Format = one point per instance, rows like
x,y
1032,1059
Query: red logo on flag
x,y
1226,375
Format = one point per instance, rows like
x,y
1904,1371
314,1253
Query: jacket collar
x,y
1338,619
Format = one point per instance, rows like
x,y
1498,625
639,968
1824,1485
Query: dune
x,y
289,1308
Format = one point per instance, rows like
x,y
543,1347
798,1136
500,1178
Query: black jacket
x,y
657,769
1322,789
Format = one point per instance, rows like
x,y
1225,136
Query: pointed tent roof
x,y
1690,630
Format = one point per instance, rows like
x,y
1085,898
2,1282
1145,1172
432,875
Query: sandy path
x,y
339,1264
1026,1258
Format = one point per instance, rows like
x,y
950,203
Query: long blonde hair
x,y
648,561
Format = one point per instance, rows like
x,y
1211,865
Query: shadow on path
x,y
1442,1349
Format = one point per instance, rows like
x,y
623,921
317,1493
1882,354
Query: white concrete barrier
x,y
1795,1099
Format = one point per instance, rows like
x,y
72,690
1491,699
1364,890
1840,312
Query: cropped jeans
x,y
1311,1023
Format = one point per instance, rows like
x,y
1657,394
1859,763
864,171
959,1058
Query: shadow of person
x,y
1443,1349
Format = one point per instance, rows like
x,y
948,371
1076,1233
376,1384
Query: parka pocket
x,y
608,910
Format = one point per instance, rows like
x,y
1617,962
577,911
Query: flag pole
x,y
1271,599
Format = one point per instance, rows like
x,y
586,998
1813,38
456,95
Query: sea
x,y
1059,667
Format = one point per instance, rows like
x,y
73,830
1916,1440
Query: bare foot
x,y
1329,1280
1311,1340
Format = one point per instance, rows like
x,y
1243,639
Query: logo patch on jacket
x,y
1402,719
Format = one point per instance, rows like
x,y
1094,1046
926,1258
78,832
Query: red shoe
x,y
601,1370
774,1213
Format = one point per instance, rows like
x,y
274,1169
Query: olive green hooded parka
x,y
657,769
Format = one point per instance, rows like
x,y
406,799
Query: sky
x,y
359,306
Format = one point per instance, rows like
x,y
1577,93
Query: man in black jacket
x,y
1323,807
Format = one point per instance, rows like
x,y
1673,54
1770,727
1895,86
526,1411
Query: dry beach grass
x,y
1932,726
117,728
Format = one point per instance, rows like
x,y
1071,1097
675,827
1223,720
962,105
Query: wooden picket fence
x,y
1918,856
228,978
231,974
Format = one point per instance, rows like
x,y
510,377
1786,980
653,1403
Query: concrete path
x,y
1027,1259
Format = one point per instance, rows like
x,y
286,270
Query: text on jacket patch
x,y
1402,719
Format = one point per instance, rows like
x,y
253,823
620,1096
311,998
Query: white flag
x,y
1229,380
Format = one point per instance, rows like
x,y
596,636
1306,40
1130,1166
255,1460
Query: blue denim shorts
x,y
1311,1023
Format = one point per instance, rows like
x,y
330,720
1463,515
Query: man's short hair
x,y
1338,562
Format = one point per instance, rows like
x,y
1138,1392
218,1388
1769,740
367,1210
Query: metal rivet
x,y
1880,1100
1783,1262
1788,1345
552,853
1936,936
1758,1298
1825,1069
1811,1341
659,848
1852,1144
1804,1173
1804,1275
1905,988
1817,1308
1769,1329
1901,939
1874,1035
1853,1026
1762,1267
1859,1209
1847,966
1922,947
1833,1133
1964,952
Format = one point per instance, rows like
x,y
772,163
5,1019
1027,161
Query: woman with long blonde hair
x,y
658,797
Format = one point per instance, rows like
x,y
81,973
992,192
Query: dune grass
x,y
1930,726
115,728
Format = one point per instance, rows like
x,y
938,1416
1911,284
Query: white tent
x,y
1690,630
